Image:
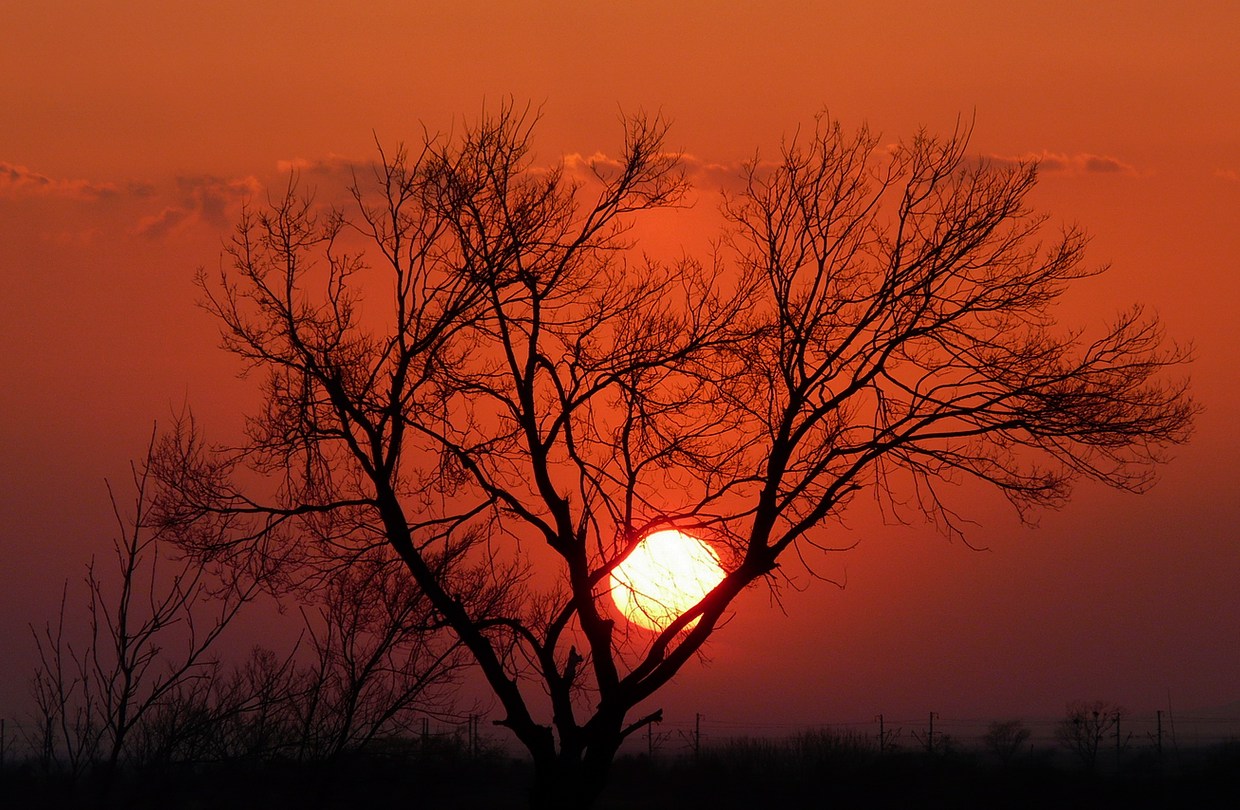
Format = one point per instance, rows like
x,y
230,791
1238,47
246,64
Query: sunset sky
x,y
131,131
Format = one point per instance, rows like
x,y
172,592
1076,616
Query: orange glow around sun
x,y
668,573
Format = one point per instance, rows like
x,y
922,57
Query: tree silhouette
x,y
1006,739
152,624
1086,727
140,686
519,397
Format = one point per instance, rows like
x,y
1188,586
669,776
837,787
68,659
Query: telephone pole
x,y
1118,739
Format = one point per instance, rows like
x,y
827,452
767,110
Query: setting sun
x,y
668,573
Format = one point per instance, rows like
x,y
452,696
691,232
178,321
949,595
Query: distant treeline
x,y
823,768
1156,729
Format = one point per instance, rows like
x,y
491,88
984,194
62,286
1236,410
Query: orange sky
x,y
130,131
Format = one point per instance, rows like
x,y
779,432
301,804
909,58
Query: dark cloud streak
x,y
1059,162
20,181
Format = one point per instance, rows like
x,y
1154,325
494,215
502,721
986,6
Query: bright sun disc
x,y
668,573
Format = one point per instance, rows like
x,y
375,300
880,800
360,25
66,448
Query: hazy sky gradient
x,y
130,132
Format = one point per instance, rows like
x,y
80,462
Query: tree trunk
x,y
567,782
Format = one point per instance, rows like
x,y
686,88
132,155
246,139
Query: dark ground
x,y
738,775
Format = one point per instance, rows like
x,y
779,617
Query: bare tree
x,y
375,659
1006,739
1086,727
522,398
65,730
380,659
151,627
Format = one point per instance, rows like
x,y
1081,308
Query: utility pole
x,y
1175,745
930,736
882,737
697,733
1118,739
1159,743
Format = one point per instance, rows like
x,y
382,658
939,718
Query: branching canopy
x,y
474,371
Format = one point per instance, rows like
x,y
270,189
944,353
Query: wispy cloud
x,y
204,198
20,181
582,166
1060,162
332,165
157,209
712,175
703,174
